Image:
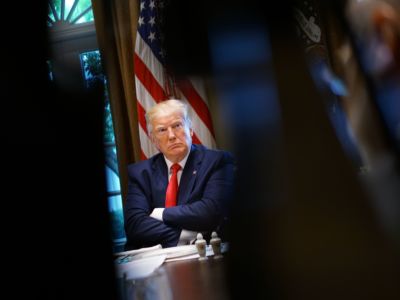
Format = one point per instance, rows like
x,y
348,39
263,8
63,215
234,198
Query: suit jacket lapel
x,y
189,175
160,173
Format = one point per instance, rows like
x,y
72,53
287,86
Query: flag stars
x,y
141,21
152,5
142,6
152,36
152,21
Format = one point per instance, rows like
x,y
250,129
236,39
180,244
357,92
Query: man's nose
x,y
171,133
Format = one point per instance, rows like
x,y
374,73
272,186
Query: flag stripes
x,y
152,85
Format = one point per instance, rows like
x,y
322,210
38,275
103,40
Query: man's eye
x,y
177,126
161,130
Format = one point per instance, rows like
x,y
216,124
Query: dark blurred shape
x,y
242,62
56,237
187,46
78,202
371,72
314,32
369,57
302,225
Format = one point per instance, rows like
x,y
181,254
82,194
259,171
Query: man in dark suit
x,y
206,180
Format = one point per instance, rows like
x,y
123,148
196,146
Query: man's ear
x,y
386,22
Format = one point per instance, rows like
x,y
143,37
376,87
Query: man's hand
x,y
187,237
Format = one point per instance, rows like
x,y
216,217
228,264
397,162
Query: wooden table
x,y
181,280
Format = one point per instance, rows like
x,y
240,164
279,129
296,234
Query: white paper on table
x,y
136,251
171,252
193,256
139,268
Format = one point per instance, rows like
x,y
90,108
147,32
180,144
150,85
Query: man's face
x,y
172,136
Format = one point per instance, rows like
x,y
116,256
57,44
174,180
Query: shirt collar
x,y
182,163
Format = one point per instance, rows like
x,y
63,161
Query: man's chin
x,y
177,151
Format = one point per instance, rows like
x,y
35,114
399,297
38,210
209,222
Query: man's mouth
x,y
174,146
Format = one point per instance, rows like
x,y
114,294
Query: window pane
x,y
51,16
88,17
117,217
112,179
91,67
81,7
109,137
50,70
92,72
68,6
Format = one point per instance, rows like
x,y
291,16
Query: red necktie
x,y
172,189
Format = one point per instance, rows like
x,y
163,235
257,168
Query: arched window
x,y
69,12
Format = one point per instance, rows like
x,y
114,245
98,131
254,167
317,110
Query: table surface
x,y
185,279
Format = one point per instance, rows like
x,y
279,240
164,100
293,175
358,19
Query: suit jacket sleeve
x,y
210,209
141,229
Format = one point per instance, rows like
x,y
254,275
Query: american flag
x,y
154,84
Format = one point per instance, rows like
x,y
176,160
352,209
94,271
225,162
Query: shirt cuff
x,y
157,213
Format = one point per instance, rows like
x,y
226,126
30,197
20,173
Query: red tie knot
x,y
175,168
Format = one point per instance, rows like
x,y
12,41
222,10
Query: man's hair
x,y
165,108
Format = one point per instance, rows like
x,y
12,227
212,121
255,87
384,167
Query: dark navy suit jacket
x,y
205,190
